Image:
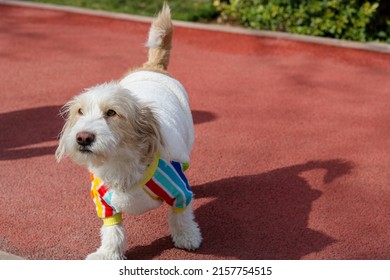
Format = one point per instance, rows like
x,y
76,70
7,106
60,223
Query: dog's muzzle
x,y
85,140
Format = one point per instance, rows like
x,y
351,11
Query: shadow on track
x,y
262,216
26,131
28,127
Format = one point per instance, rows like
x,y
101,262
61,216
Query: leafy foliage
x,y
343,19
189,10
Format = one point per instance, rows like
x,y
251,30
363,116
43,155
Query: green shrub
x,y
343,19
189,10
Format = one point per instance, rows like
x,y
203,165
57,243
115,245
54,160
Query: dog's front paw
x,y
189,238
104,255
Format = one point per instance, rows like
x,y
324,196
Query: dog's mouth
x,y
84,150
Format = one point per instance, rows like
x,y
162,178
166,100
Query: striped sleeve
x,y
170,184
101,196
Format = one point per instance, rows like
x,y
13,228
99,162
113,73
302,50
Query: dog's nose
x,y
85,138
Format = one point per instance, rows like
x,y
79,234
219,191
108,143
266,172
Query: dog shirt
x,y
163,180
170,104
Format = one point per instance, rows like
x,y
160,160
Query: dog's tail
x,y
160,40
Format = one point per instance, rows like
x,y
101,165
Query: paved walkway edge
x,y
7,256
371,46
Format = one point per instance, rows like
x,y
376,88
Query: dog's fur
x,y
127,133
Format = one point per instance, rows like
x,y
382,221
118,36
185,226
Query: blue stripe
x,y
107,198
179,170
161,180
168,169
171,173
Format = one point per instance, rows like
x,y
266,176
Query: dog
x,y
135,137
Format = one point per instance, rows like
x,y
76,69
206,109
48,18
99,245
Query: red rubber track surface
x,y
291,157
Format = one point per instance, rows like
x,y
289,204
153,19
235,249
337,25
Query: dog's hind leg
x,y
113,244
184,230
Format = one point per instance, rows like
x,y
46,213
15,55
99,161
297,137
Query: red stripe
x,y
108,211
102,190
158,191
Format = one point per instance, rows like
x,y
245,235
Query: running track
x,y
292,149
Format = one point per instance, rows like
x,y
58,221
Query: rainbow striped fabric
x,y
166,180
101,196
163,180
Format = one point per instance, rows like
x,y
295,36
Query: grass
x,y
187,10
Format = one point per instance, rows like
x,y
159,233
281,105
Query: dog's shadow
x,y
30,132
202,116
262,216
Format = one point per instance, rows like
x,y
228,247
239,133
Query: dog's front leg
x,y
184,230
113,244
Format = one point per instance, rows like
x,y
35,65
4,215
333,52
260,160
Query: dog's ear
x,y
148,132
67,112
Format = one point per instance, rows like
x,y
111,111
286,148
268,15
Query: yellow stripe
x,y
151,169
113,220
150,194
99,206
178,210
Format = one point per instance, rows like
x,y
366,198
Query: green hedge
x,y
343,19
189,10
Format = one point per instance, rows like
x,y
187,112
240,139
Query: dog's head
x,y
105,122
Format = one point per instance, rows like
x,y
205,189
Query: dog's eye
x,y
110,113
80,112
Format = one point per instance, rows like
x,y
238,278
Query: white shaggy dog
x,y
135,137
